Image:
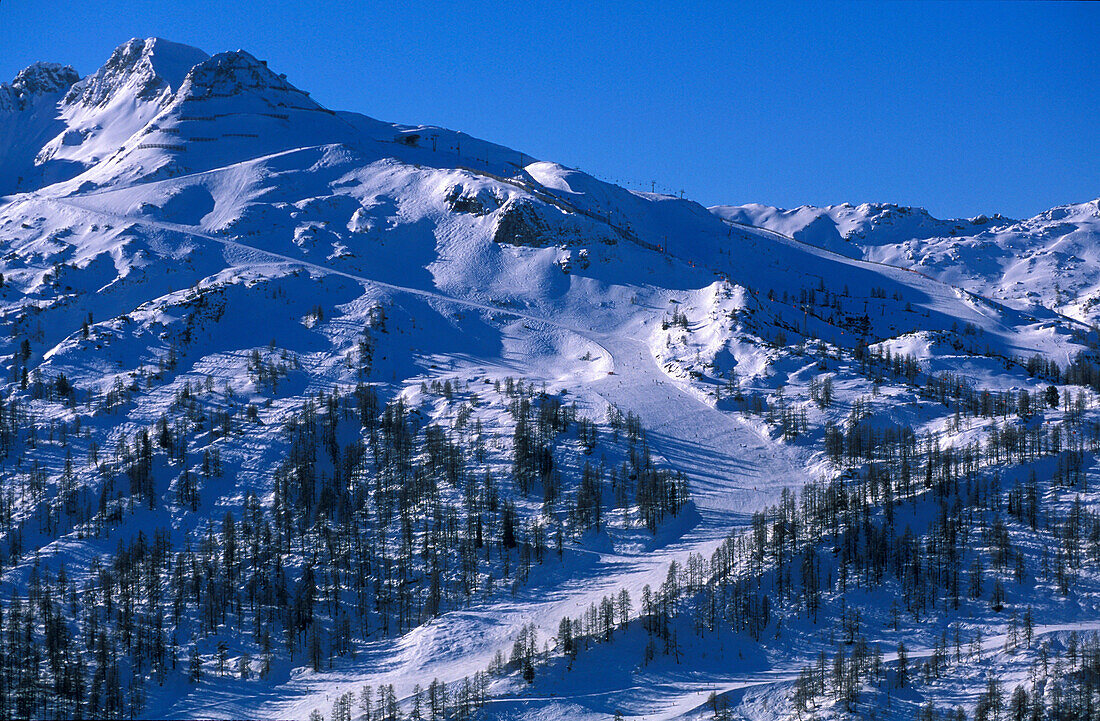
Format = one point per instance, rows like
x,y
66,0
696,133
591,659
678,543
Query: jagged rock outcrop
x,y
35,81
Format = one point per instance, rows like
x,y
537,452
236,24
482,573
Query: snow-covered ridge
x,y
1048,260
39,79
867,223
232,73
150,69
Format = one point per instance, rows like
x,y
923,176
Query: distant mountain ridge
x,y
1050,259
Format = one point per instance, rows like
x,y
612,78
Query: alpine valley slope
x,y
229,309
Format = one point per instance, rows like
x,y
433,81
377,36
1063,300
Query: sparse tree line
x,y
933,525
376,522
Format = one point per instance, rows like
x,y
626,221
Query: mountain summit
x,y
33,82
139,70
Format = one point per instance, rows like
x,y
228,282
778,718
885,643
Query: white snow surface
x,y
170,172
1049,260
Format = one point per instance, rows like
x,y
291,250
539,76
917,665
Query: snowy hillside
x,y
306,413
1049,260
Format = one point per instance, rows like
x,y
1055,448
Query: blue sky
x,y
960,108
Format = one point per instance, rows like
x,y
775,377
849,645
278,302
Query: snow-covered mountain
x,y
297,401
1049,260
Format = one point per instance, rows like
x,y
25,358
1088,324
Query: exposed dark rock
x,y
519,224
459,202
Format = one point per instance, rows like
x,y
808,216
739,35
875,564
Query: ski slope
x,y
175,214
